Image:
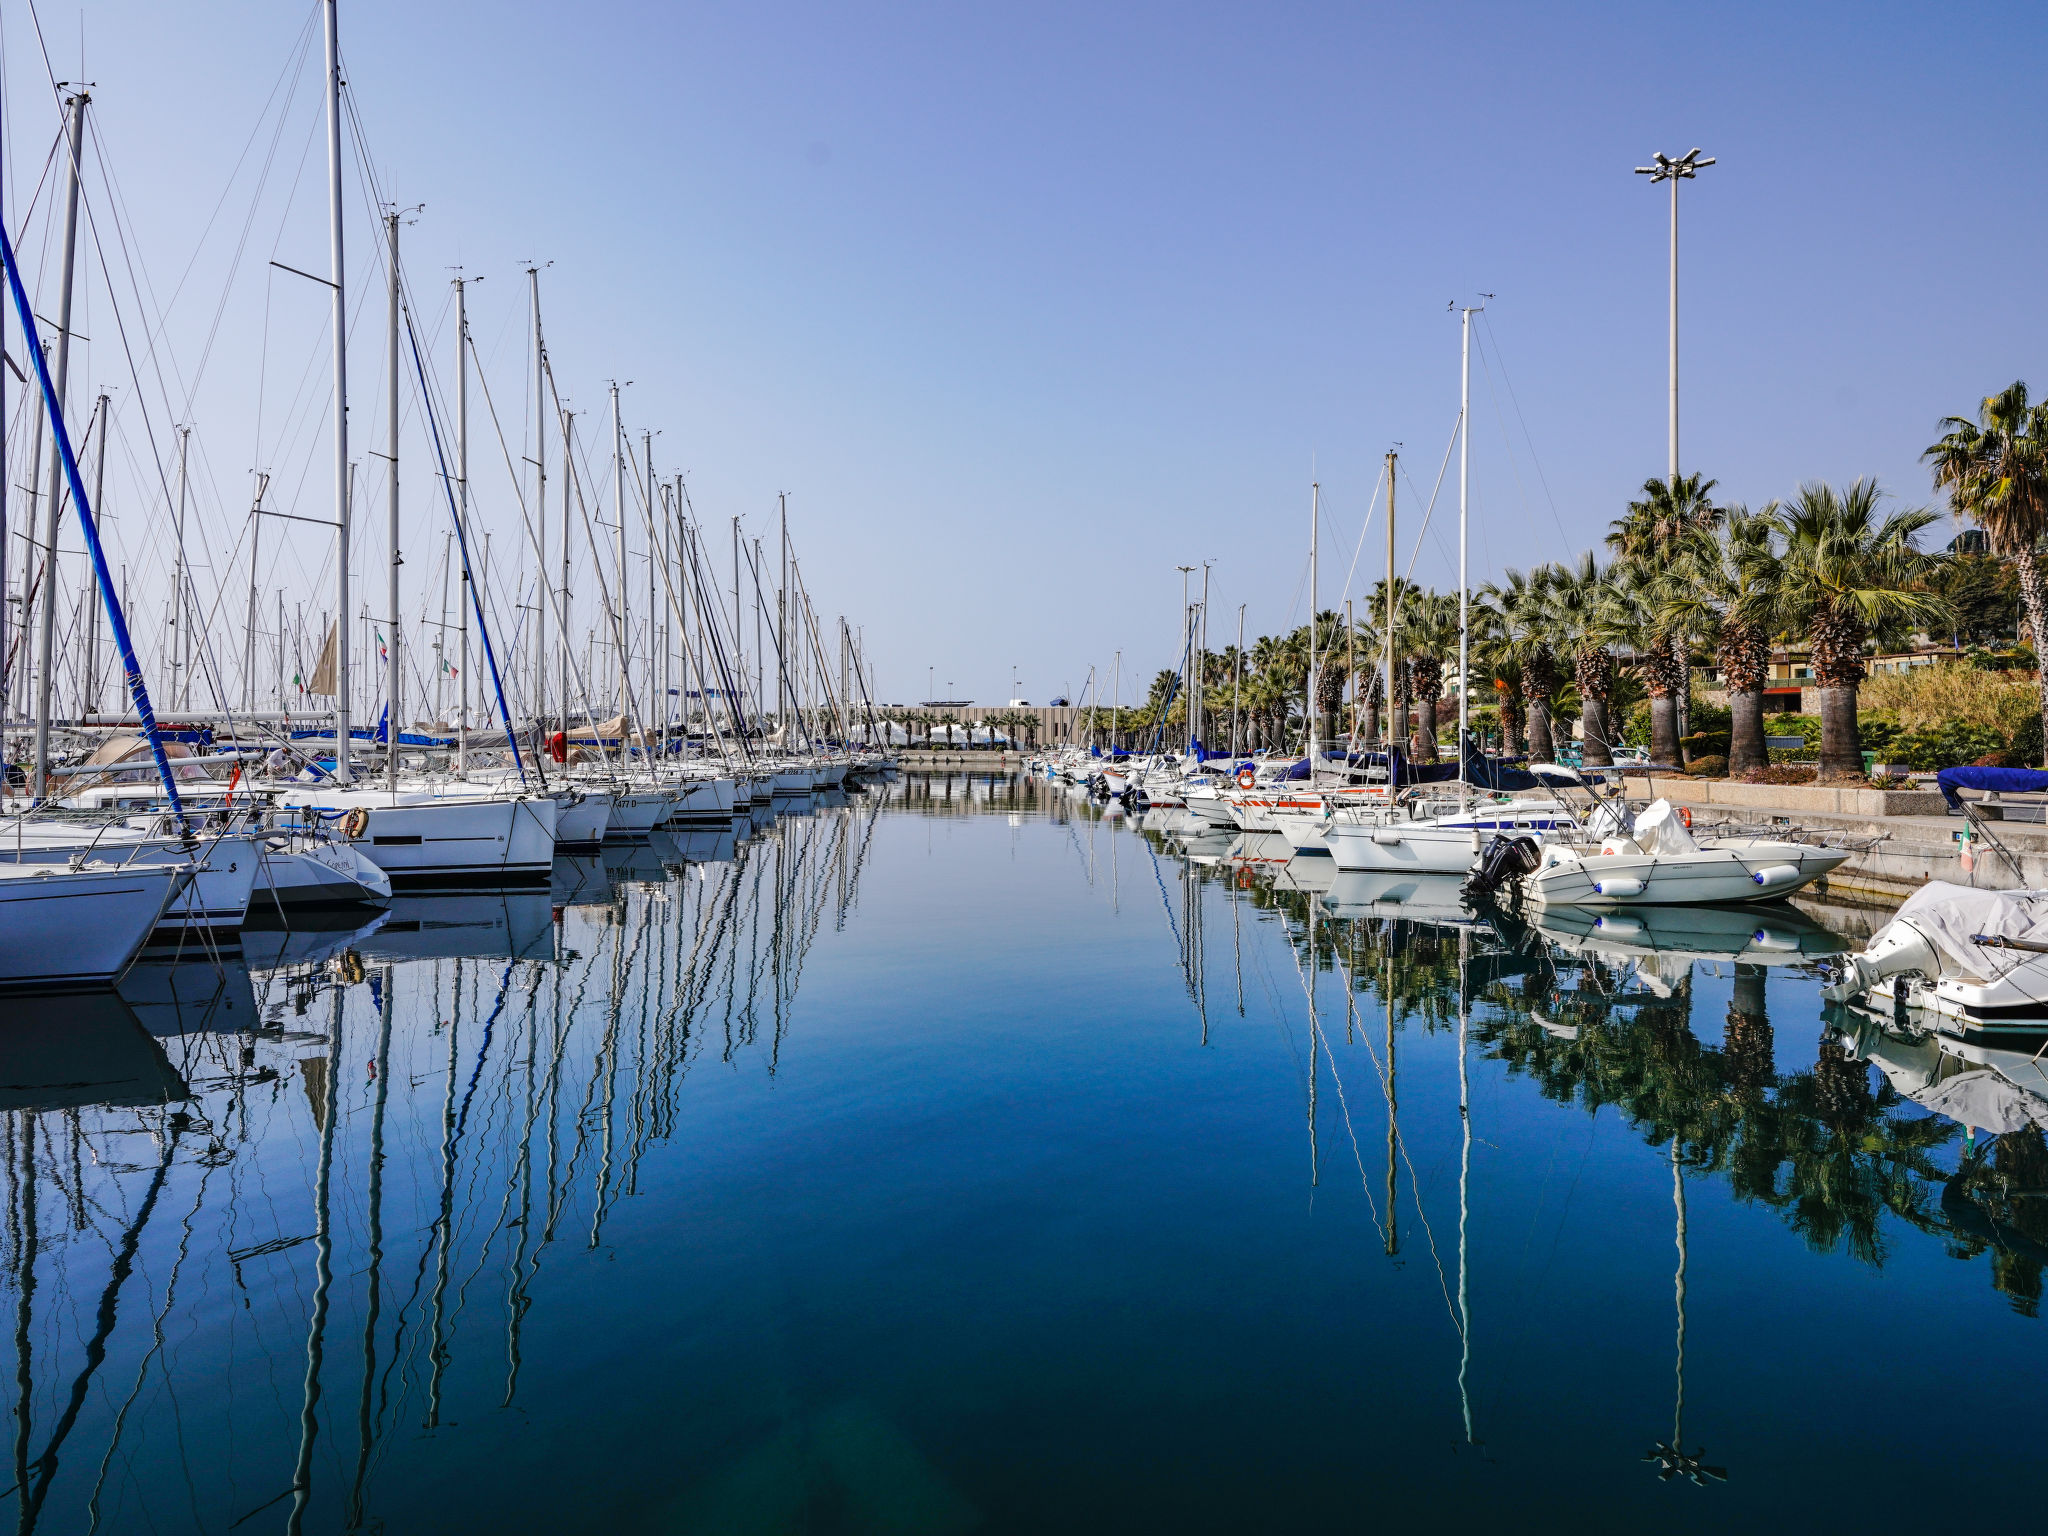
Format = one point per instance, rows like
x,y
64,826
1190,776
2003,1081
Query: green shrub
x,y
1703,744
1710,767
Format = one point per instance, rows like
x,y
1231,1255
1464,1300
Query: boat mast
x,y
1396,730
46,617
1315,511
392,673
89,705
568,485
336,294
462,520
619,512
540,502
1464,586
181,610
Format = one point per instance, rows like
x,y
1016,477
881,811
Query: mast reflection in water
x,y
910,1164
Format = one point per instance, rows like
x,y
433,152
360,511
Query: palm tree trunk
x,y
1541,748
1841,745
1599,749
1746,748
1664,702
1426,736
2034,597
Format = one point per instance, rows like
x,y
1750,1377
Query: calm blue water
x,y
958,1160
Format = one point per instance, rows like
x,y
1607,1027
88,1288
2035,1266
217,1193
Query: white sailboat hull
x,y
64,928
424,840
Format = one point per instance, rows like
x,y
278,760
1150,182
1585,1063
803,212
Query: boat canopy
x,y
2009,781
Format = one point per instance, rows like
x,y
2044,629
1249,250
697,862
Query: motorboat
x,y
1658,864
74,925
1661,864
1958,960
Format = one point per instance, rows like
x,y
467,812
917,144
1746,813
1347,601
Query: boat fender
x,y
1619,885
1246,778
355,823
1387,839
1775,874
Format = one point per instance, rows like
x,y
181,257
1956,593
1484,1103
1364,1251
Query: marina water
x,y
958,1157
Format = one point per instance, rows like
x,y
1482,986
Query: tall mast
x,y
342,772
392,673
785,694
1315,515
540,502
46,618
1201,705
462,518
568,479
657,673
90,704
1397,730
1464,586
255,572
181,610
619,512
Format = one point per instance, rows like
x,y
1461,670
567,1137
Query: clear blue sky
x,y
1027,306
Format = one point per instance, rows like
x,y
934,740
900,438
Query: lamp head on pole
x,y
1667,169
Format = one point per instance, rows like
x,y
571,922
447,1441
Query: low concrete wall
x,y
1782,799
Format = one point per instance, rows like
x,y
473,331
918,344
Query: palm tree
x,y
1520,610
1580,598
1726,589
1432,643
1995,471
1639,591
1845,570
1648,536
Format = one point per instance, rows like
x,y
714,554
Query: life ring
x,y
1246,778
1685,817
355,823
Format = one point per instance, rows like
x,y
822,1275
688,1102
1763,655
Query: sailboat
x,y
424,834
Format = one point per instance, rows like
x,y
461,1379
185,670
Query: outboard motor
x,y
1504,862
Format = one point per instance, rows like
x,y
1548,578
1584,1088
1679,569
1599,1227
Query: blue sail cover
x,y
2012,781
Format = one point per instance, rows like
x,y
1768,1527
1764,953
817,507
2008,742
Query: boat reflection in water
x,y
967,1156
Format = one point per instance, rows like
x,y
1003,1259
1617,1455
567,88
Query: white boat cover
x,y
1951,915
1985,1101
1660,833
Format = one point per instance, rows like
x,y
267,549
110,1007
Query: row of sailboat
x,y
127,829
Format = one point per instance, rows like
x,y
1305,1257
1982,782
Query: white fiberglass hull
x,y
427,841
62,927
1758,870
1439,845
636,813
213,904
317,874
581,822
1305,831
706,800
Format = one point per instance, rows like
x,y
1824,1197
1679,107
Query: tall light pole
x,y
1683,168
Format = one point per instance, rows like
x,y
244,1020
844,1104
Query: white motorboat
x,y
439,836
1448,842
1959,960
1662,865
65,927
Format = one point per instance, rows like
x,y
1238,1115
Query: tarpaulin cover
x,y
1984,1101
1952,915
2011,781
